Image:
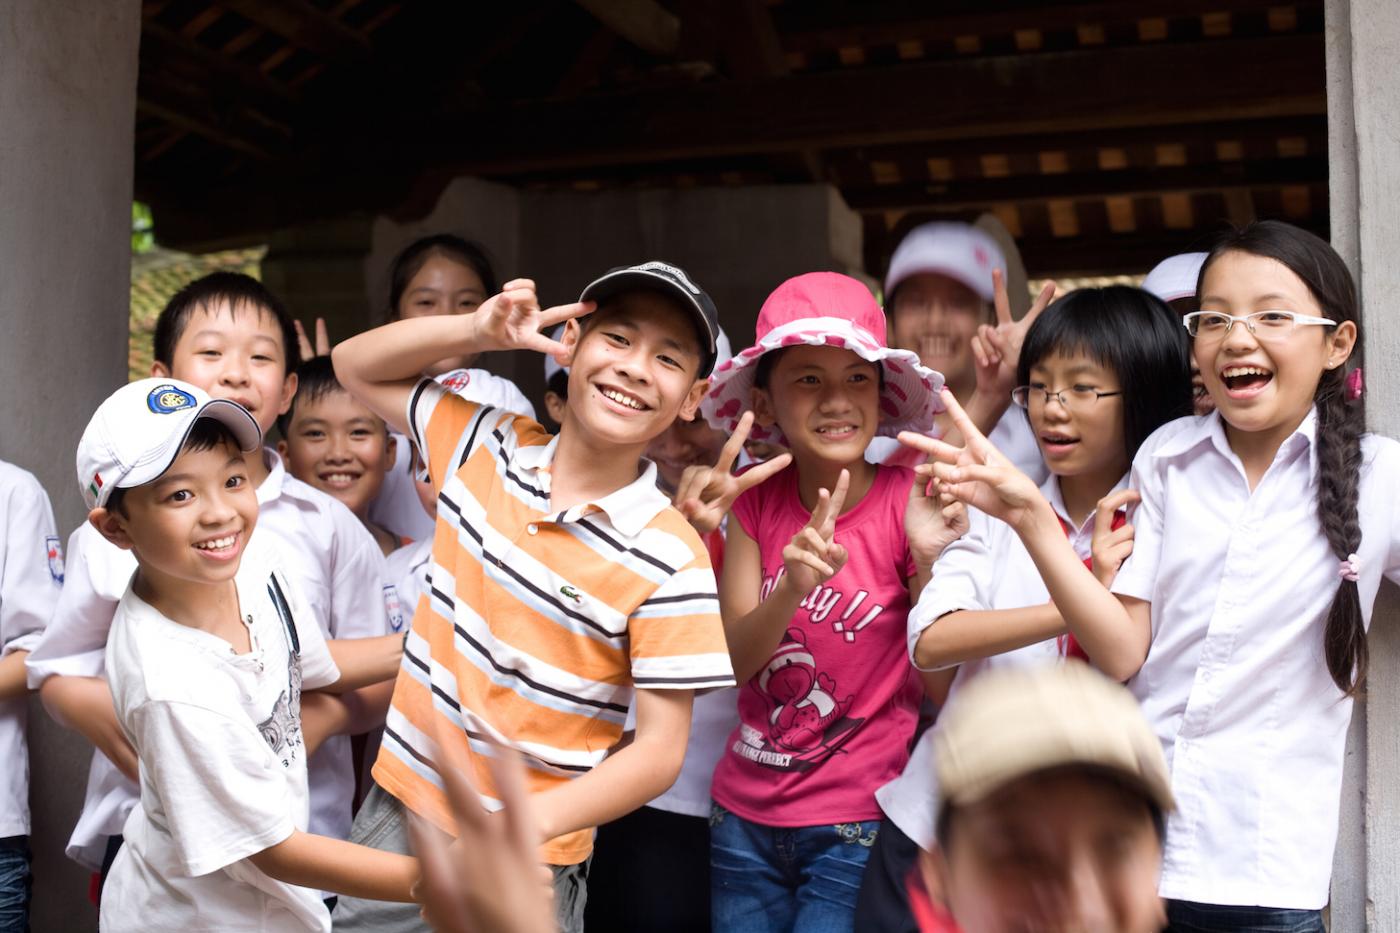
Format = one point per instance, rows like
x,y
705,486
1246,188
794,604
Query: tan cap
x,y
1009,723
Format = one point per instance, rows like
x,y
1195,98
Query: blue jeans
x,y
1189,917
771,879
14,884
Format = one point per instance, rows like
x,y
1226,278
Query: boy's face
x,y
633,372
339,446
936,317
239,357
684,444
826,400
190,525
1066,850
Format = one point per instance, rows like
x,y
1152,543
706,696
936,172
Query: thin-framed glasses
x,y
1266,325
1075,398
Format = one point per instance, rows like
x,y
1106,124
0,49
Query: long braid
x,y
1340,424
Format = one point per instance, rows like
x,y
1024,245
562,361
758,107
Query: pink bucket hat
x,y
825,309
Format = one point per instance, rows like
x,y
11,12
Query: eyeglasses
x,y
1209,326
1075,398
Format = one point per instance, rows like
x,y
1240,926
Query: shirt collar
x,y
1051,490
629,509
271,487
1211,429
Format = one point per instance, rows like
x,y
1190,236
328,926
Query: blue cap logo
x,y
167,398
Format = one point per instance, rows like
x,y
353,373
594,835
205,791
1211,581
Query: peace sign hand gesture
x,y
977,474
813,557
705,494
513,320
997,350
932,521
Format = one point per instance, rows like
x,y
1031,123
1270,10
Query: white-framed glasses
x,y
1074,398
1266,325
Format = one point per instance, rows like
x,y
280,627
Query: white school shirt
x,y
31,577
987,568
397,507
407,569
223,763
335,564
1012,436
1235,682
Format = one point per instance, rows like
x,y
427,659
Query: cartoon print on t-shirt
x,y
808,722
282,729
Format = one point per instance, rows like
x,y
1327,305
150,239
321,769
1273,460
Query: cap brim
x,y
231,415
1159,795
623,280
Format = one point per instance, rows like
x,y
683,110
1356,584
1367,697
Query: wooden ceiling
x,y
1104,134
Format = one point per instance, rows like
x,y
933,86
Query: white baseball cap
x,y
960,251
136,434
1175,277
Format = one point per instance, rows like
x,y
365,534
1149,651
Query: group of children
x,y
716,611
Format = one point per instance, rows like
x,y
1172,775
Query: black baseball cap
x,y
670,280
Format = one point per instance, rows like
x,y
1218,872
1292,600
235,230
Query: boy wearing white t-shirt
x,y
208,654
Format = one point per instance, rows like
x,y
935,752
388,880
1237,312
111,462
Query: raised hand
x,y
997,349
513,320
705,494
1112,546
813,557
931,522
976,473
323,340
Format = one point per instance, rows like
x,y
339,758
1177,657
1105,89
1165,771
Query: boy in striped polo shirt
x,y
560,578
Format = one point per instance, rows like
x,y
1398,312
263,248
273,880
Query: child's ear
x,y
282,450
763,412
159,370
1342,342
691,405
391,450
111,526
289,391
573,333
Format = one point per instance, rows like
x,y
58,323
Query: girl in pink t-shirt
x,y
820,563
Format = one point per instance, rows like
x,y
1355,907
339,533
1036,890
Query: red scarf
x,y
1069,645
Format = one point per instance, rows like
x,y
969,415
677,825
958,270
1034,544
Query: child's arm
x,y
753,628
382,366
1114,634
326,864
364,661
629,778
29,576
84,704
13,682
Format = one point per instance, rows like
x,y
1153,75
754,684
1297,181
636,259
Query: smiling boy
x,y
561,577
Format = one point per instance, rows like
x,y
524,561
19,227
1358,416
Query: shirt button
x,y
533,529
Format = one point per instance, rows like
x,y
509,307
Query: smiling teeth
x,y
1234,371
340,478
218,544
622,399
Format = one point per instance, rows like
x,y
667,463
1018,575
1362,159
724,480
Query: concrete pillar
x,y
67,105
1363,115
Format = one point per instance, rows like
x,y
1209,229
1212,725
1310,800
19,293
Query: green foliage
x,y
143,237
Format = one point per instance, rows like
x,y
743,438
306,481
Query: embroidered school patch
x,y
393,608
54,551
164,399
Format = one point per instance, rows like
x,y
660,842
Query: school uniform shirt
x,y
336,565
1235,682
397,507
406,569
31,577
1012,436
987,568
830,716
223,762
539,623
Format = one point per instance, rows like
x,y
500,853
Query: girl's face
x,y
1262,385
443,286
826,400
1084,435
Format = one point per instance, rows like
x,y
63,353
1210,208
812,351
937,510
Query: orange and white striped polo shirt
x,y
536,625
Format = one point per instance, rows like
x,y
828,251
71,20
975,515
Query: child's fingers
x,y
979,353
818,517
972,438
1042,301
438,881
1000,300
551,316
519,283
1108,507
730,451
822,568
755,475
508,773
837,502
935,448
810,540
968,473
837,557
323,338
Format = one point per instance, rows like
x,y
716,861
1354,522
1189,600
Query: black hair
x,y
315,380
415,255
206,434
559,384
1340,423
1134,334
241,292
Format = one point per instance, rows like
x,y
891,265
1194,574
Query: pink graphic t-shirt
x,y
830,717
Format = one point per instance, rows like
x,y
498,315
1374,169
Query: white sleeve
x,y
1138,575
513,400
961,579
358,577
31,565
223,795
74,643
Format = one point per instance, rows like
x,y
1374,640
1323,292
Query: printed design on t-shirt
x,y
824,601
808,721
456,381
282,729
53,549
393,607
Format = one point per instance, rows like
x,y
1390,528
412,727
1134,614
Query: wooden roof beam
x,y
644,23
305,26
